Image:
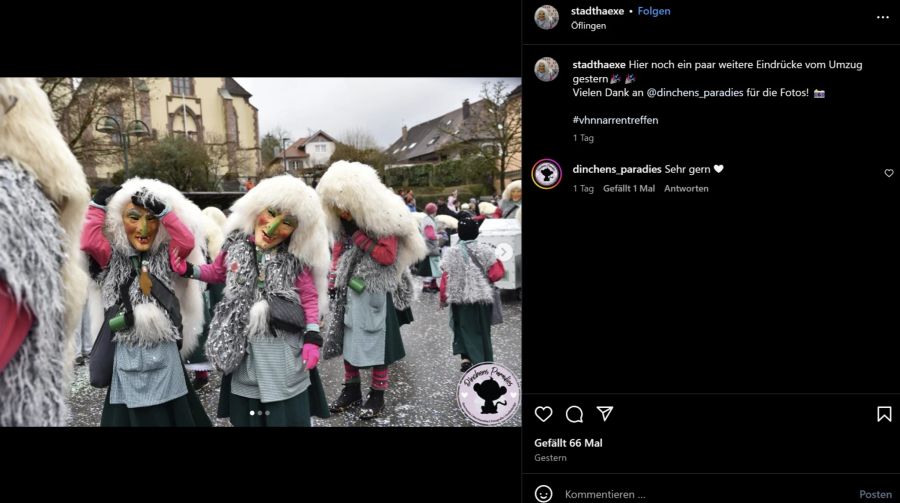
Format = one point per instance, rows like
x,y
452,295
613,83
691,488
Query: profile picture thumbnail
x,y
546,17
546,69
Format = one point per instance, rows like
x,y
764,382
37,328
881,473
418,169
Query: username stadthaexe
x,y
597,11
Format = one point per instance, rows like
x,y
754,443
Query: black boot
x,y
374,404
351,396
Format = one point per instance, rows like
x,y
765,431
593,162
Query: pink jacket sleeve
x,y
15,322
336,252
182,238
384,250
443,287
309,298
93,242
496,272
214,273
429,233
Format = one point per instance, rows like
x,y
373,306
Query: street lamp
x,y
109,125
284,153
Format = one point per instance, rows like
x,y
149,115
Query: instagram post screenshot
x,y
306,254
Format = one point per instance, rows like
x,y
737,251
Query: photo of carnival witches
x,y
293,277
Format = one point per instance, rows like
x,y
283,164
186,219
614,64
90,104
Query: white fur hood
x,y
355,187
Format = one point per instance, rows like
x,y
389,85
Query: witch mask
x,y
273,227
141,226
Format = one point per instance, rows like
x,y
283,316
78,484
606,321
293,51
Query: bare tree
x,y
78,103
359,145
359,138
271,143
494,128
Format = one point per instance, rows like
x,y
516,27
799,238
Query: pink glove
x,y
310,355
179,265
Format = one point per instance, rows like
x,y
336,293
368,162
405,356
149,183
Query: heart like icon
x,y
889,172
719,167
543,413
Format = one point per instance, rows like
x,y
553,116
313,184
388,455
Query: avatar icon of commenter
x,y
543,493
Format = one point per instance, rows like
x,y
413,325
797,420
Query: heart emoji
x,y
464,394
543,413
889,172
719,168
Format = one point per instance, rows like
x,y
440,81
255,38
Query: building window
x,y
433,140
320,148
412,146
182,86
396,150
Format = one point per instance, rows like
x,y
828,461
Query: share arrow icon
x,y
605,411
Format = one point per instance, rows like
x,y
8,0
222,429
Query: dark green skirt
x,y
223,411
423,268
471,324
405,316
296,411
185,410
393,342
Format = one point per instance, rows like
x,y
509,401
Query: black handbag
x,y
286,315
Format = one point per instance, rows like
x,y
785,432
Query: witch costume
x,y
264,334
155,316
376,241
470,268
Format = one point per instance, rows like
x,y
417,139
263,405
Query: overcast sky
x,y
380,106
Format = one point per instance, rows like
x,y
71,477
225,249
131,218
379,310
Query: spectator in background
x,y
410,201
443,209
453,201
249,184
466,212
512,199
429,268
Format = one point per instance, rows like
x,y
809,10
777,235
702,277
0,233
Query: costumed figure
x,y
376,241
429,268
213,224
153,317
470,268
264,334
43,196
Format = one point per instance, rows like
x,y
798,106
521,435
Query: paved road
x,y
422,385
